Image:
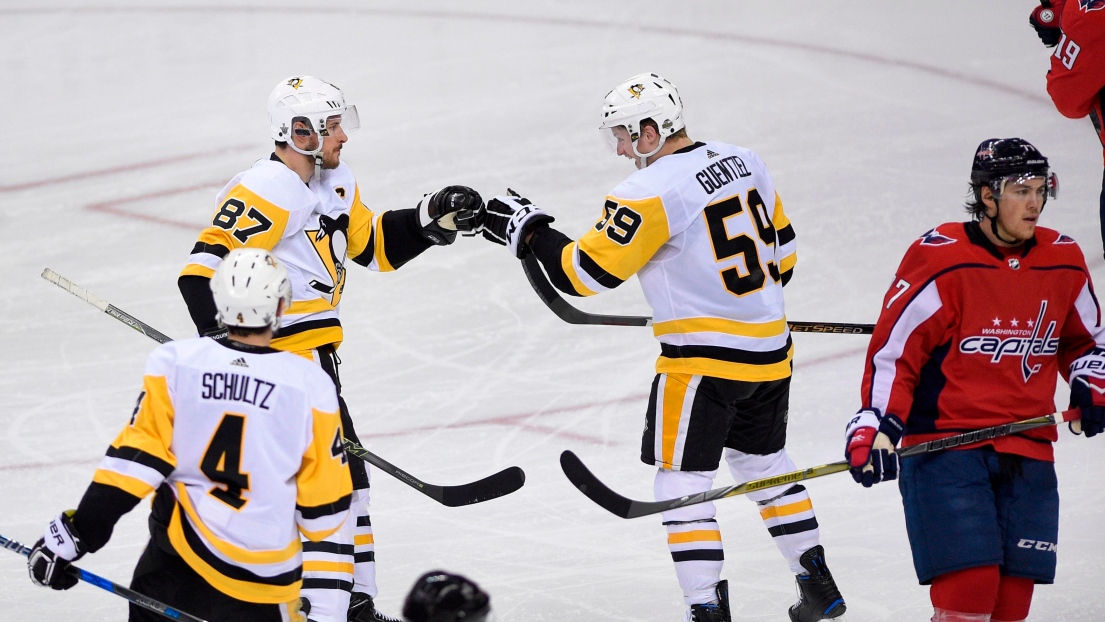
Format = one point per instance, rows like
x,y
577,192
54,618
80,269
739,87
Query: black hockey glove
x,y
510,219
449,210
869,447
48,563
1087,392
1045,19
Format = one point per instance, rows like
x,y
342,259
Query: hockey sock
x,y
787,513
364,550
694,539
971,590
1014,599
328,573
943,615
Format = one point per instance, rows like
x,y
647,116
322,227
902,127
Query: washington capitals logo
x,y
1091,5
932,237
1009,339
637,89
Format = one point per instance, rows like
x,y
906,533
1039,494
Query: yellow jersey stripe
x,y
724,369
129,485
674,394
779,218
303,307
788,262
235,553
718,325
195,269
567,263
309,339
381,256
362,539
310,565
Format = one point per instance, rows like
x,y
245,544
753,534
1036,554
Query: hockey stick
x,y
625,507
572,315
138,599
102,305
493,486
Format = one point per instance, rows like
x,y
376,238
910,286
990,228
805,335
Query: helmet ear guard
x,y
644,96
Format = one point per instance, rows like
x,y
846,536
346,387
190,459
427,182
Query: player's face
x,y
331,147
1021,203
646,143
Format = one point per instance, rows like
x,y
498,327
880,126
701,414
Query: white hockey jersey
x,y
705,232
250,442
311,229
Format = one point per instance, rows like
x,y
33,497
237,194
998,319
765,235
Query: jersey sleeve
x,y
624,239
1077,76
386,241
137,462
915,320
323,484
786,248
1082,327
244,218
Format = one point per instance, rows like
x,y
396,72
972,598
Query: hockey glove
x,y
48,563
1087,392
870,447
1045,19
449,210
510,219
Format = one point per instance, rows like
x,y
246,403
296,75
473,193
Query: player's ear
x,y
987,197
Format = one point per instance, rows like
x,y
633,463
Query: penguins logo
x,y
330,243
637,89
295,83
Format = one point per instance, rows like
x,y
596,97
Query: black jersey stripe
x,y
364,521
133,454
785,235
596,271
302,327
698,555
217,250
329,509
792,528
365,557
196,544
369,252
729,355
333,548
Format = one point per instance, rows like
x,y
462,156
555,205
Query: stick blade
x,y
582,478
491,487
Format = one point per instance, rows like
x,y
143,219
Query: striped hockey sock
x,y
696,550
364,549
790,520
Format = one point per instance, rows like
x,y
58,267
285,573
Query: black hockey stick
x,y
497,485
138,599
572,315
625,507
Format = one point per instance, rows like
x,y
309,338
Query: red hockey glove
x,y
870,442
1087,392
1045,19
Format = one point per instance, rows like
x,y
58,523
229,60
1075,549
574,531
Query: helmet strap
x,y
994,225
643,157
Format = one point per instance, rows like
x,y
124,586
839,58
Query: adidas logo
x,y
240,362
711,154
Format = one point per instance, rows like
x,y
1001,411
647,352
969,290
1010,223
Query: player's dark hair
x,y
974,206
682,133
246,331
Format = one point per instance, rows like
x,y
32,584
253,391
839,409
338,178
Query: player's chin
x,y
331,162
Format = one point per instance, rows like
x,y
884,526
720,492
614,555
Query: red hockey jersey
x,y
972,336
1076,81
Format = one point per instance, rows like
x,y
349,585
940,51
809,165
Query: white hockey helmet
x,y
644,96
249,286
308,99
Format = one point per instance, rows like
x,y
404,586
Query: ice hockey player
x,y
1076,80
702,227
439,596
304,205
954,351
242,444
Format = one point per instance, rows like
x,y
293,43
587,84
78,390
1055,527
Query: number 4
x,y
901,285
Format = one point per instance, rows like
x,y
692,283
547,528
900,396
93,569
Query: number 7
x,y
902,285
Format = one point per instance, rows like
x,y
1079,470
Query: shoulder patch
x,y
1064,238
932,237
1091,5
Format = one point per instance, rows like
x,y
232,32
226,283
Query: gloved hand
x,y
1087,392
48,563
449,210
870,442
510,219
1045,19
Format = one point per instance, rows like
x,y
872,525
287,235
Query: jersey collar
x,y
245,347
977,237
689,148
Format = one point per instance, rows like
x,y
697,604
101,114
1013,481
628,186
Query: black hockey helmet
x,y
439,596
999,159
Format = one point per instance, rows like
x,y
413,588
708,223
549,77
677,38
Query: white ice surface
x,y
867,113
